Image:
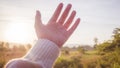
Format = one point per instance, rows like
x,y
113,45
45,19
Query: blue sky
x,y
98,17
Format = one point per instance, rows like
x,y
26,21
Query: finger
x,y
70,19
38,21
57,12
72,29
65,14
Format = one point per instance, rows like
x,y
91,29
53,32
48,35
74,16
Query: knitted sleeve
x,y
43,53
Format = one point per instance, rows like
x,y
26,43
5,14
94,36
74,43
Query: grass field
x,y
85,59
82,59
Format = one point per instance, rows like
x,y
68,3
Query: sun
x,y
17,32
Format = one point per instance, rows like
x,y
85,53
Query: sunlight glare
x,y
17,32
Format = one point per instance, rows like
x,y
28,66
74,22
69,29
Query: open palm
x,y
56,30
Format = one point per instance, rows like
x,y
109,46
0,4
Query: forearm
x,y
43,54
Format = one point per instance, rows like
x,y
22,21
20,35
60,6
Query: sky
x,y
98,19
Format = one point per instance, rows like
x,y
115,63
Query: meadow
x,y
68,58
103,55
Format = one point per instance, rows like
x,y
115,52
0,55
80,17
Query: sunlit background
x,y
98,19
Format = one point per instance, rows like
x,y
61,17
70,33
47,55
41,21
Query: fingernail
x,y
61,4
74,11
37,11
69,5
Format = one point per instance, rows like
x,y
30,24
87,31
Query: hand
x,y
57,30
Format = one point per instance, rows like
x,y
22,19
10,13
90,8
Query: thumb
x,y
38,21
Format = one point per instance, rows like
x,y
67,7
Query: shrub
x,y
65,63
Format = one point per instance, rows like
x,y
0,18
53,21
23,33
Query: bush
x,y
110,60
65,63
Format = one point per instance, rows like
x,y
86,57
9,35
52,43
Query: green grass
x,y
74,59
83,59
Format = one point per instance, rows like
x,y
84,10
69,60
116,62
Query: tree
x,y
96,42
111,50
116,37
3,46
111,45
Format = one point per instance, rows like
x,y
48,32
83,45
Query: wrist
x,y
59,43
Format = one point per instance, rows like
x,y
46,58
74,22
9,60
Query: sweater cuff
x,y
44,53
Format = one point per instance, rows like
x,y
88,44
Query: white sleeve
x,y
44,53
